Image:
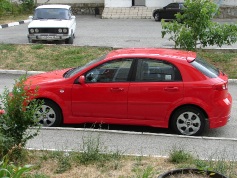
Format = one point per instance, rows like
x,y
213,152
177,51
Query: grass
x,y
42,57
96,161
11,18
67,164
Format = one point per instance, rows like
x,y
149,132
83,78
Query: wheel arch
x,y
51,103
184,106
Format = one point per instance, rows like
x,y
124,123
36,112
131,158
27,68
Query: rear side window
x,y
205,68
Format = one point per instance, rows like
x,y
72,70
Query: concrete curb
x,y
14,23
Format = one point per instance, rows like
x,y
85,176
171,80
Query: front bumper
x,y
48,37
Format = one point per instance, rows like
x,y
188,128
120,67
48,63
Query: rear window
x,y
205,68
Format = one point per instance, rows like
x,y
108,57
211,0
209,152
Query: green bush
x,y
5,6
28,6
19,116
8,7
197,27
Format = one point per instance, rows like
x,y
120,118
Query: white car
x,y
52,23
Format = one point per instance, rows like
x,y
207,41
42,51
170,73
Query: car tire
x,y
31,41
157,17
49,114
188,121
70,39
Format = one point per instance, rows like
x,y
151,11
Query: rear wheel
x,y
157,16
188,121
49,114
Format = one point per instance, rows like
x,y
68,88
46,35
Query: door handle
x,y
116,89
171,89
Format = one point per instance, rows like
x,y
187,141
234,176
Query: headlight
x,y
60,30
64,30
32,30
36,30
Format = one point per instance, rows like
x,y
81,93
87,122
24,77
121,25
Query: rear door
x,y
157,87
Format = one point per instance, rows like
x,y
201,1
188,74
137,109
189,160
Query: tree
x,y
197,27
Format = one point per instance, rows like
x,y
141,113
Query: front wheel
x,y
49,114
188,121
157,17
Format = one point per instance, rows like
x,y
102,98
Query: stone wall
x,y
90,8
85,8
228,12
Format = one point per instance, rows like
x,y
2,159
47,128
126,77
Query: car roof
x,y
56,6
162,53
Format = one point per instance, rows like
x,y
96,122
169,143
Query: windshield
x,y
74,71
51,13
205,68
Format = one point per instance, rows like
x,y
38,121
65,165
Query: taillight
x,y
222,86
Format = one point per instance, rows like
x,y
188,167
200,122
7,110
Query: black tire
x,y
31,41
188,121
49,114
70,39
157,16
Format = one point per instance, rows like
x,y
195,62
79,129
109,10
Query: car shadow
x,y
113,127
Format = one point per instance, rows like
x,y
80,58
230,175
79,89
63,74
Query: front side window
x,y
149,70
205,68
113,71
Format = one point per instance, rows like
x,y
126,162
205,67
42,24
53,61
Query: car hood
x,y
49,23
46,78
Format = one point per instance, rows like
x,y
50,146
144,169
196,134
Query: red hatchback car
x,y
149,87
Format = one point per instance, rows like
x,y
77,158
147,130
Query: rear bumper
x,y
225,114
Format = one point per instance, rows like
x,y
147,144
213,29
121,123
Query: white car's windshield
x,y
51,13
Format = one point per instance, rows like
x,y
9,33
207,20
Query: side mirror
x,y
30,17
73,17
82,80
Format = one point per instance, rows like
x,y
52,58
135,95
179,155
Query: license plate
x,y
49,37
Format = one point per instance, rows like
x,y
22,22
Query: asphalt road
x,y
117,33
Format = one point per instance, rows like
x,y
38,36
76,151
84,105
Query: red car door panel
x,y
151,100
100,100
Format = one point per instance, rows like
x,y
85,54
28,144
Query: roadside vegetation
x,y
43,57
11,10
195,28
95,162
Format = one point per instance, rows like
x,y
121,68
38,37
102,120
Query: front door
x,y
104,95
